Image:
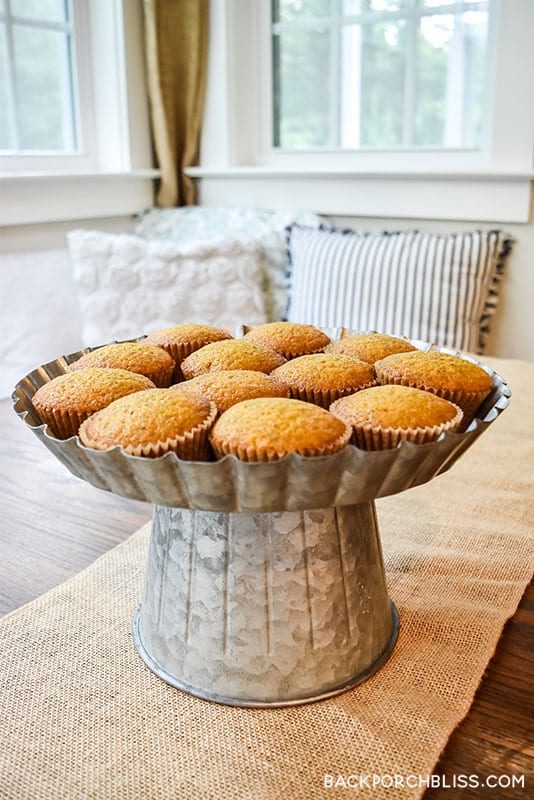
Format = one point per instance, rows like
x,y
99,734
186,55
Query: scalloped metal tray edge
x,y
293,483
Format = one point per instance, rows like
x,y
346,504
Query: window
x,y
75,139
379,73
37,62
477,169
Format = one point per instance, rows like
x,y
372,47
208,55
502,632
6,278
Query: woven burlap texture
x,y
82,717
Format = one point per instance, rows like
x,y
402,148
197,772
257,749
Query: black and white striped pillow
x,y
434,287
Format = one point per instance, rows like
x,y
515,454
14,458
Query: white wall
x,y
39,317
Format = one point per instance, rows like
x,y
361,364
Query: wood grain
x,y
52,525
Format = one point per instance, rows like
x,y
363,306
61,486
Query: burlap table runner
x,y
82,717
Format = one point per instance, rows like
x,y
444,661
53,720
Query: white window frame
x,y
238,163
338,22
111,174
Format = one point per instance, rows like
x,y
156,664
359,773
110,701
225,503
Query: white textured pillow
x,y
128,286
434,287
209,223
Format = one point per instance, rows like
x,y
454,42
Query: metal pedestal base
x,y
265,609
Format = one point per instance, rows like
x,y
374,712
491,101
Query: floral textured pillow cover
x,y
128,286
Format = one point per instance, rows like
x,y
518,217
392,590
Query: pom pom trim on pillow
x,y
434,287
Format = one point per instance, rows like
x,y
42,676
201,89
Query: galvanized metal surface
x,y
265,609
345,478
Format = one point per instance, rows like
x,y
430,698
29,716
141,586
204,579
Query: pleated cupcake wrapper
x,y
192,445
289,355
372,437
326,398
62,423
253,453
162,377
179,351
469,402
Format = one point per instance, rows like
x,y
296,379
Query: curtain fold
x,y
176,39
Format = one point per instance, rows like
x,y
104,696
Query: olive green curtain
x,y
176,37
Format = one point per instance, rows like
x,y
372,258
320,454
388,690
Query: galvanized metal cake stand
x,y
265,583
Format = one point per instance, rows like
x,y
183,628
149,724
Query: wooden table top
x,y
41,505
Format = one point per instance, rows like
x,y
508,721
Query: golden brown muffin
x,y
228,355
323,377
66,401
182,340
228,387
153,423
383,416
290,339
267,428
370,347
448,376
145,359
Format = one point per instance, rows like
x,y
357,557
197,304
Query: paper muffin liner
x,y
469,402
180,350
253,453
325,398
290,354
62,423
192,445
373,437
162,377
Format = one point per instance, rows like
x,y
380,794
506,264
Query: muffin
x,y
323,377
145,359
448,376
370,347
228,387
267,428
153,423
229,355
182,340
290,339
383,416
66,401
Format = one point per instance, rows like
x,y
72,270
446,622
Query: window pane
x,y
449,99
289,10
364,6
302,89
44,96
383,59
53,10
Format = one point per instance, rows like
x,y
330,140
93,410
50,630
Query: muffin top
x,y
229,355
88,389
434,370
370,347
325,372
290,339
267,428
157,415
133,356
393,406
189,335
228,387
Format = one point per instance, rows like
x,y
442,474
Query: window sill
x,y
36,197
474,195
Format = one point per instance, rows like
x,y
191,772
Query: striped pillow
x,y
438,288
